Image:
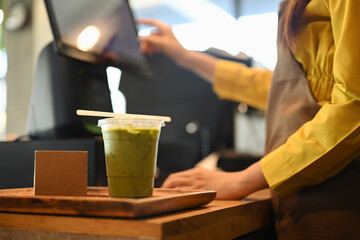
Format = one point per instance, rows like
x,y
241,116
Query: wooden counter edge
x,y
217,220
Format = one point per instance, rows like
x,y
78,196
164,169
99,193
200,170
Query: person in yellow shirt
x,y
312,104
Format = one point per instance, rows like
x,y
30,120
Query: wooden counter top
x,y
217,220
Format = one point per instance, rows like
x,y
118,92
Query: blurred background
x,y
234,26
229,27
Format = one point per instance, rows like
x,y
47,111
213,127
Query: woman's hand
x,y
161,40
164,40
228,185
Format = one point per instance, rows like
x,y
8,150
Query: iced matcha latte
x,y
130,154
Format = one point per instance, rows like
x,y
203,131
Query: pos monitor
x,y
89,36
99,32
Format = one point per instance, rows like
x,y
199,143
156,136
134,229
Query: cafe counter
x,y
249,218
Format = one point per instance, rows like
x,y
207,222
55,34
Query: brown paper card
x,y
60,173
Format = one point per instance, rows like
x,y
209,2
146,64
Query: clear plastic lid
x,y
131,122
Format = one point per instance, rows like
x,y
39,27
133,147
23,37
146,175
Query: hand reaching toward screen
x,y
161,40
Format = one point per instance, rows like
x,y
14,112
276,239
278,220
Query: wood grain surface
x,y
98,203
218,220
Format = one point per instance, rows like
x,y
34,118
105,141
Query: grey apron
x,y
330,210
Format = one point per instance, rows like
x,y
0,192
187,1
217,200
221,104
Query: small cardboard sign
x,y
60,173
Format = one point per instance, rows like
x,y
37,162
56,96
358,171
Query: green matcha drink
x,y
130,154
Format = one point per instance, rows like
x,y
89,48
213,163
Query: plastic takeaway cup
x,y
130,153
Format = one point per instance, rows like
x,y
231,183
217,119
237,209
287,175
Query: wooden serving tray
x,y
98,203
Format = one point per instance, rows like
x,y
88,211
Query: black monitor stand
x,y
61,86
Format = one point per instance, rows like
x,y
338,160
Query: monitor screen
x,y
102,32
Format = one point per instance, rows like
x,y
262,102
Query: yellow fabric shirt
x,y
328,48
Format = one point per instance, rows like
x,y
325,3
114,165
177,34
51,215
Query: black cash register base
x,y
17,159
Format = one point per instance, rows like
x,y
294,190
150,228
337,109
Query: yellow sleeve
x,y
237,82
325,145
